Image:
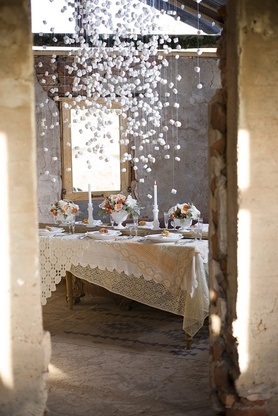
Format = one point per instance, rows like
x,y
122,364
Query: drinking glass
x,y
71,225
135,223
166,219
199,229
111,220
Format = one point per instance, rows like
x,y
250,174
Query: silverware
x,y
142,239
124,238
82,236
183,242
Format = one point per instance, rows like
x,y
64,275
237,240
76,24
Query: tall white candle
x,y
90,194
155,193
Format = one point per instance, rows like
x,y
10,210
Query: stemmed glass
x,y
135,223
198,229
175,225
71,224
166,219
200,226
112,221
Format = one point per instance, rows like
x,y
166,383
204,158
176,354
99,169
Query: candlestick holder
x,y
90,214
155,218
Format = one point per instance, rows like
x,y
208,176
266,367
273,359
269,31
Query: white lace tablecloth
x,y
170,277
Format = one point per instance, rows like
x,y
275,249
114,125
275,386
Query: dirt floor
x,y
106,361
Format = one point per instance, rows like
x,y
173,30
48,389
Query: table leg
x,y
69,295
79,289
188,341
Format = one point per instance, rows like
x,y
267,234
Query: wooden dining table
x,y
167,276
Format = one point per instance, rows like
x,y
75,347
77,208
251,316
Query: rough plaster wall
x,y
189,176
258,80
25,347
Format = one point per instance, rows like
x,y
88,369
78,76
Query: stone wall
x,y
189,176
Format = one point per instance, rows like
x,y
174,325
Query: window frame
x,y
66,157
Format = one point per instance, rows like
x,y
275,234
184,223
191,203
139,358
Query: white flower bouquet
x,y
63,209
120,202
185,210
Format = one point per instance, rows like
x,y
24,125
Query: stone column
x,y
25,347
243,214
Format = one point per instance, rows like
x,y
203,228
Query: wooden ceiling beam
x,y
186,16
207,10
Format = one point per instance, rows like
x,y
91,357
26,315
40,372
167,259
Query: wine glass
x,y
166,219
200,226
198,229
135,218
111,220
71,224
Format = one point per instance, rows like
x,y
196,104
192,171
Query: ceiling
x,y
210,22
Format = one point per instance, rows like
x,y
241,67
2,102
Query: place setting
x,y
145,225
50,231
164,237
103,234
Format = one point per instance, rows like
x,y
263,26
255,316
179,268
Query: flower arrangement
x,y
185,210
63,209
120,202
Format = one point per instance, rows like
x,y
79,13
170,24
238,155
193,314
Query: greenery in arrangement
x,y
120,202
185,210
64,209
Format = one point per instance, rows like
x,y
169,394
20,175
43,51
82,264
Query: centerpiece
x,y
183,214
119,207
64,211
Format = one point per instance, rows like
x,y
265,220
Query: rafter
x,y
208,9
187,16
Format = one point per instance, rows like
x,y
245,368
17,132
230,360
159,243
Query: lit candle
x,y
155,193
90,194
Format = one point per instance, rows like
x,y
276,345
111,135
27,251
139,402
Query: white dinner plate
x,y
103,236
51,229
96,223
54,230
148,226
160,238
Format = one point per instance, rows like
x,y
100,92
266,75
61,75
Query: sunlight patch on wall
x,y
6,373
215,324
243,294
243,159
241,326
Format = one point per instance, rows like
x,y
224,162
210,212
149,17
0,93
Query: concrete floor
x,y
97,378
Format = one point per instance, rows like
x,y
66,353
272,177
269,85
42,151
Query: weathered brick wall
x,y
53,75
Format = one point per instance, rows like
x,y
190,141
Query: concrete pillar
x,y
256,323
244,194
25,347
